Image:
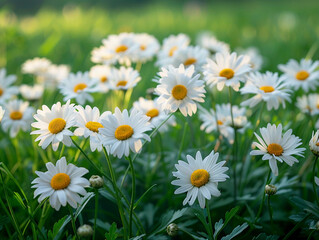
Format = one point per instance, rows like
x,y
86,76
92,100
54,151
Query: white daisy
x,y
274,145
36,66
78,86
123,78
267,87
255,59
212,44
170,45
31,93
2,111
88,123
103,74
227,69
148,47
61,183
199,178
303,75
180,89
314,143
191,56
6,90
54,124
309,103
18,115
123,133
103,55
152,109
54,75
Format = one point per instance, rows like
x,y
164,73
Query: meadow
x,y
141,204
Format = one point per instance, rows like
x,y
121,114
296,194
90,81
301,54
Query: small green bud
x,y
270,189
172,229
96,181
85,231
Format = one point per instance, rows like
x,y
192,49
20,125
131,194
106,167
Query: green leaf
x,y
144,194
228,216
236,231
55,234
112,234
263,236
18,197
305,205
138,237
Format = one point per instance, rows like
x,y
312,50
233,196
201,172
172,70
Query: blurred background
x,y
67,31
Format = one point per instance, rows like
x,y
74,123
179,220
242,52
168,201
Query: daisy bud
x,y
96,181
314,143
317,226
85,231
270,189
172,229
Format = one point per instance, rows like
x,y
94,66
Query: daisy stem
x,y
95,210
270,211
138,66
313,179
127,97
209,220
73,222
62,151
263,201
182,141
132,196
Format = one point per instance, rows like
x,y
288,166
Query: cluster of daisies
x,y
187,74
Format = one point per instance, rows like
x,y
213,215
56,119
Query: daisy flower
x,y
152,109
78,86
103,55
267,87
123,78
170,45
54,75
6,90
18,115
148,47
199,178
191,56
227,69
61,183
36,66
123,132
255,59
88,122
102,73
303,75
180,89
2,111
31,93
54,124
309,103
276,146
212,44
314,143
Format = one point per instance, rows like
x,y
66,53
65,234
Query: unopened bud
x,y
172,229
96,181
270,189
314,143
85,231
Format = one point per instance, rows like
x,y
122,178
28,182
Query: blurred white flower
x,y
309,103
148,47
123,78
36,66
2,111
212,44
31,93
6,90
255,59
103,74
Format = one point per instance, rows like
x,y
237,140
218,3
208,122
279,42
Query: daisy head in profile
x,y
53,125
199,177
268,88
7,91
208,41
228,69
62,184
123,78
314,143
78,86
123,133
309,103
180,89
88,123
275,146
303,75
18,115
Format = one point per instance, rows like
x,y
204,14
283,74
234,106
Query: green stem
x,y
138,66
313,179
96,210
310,235
182,141
298,225
62,151
263,201
132,196
73,222
270,211
211,236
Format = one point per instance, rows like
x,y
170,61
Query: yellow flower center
x,y
199,177
121,83
57,125
94,126
275,149
1,91
123,132
317,144
16,115
142,47
179,92
190,61
79,87
219,122
103,79
318,105
121,48
267,89
172,50
60,181
152,113
227,73
302,75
